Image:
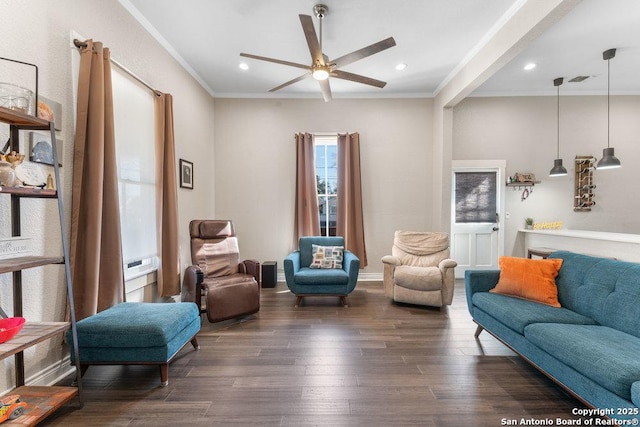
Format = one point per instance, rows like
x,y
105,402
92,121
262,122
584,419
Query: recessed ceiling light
x,y
243,66
401,66
530,66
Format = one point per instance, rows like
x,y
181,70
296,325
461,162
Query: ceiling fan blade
x,y
277,61
290,82
326,89
339,74
364,52
312,38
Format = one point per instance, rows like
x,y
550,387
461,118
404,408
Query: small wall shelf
x,y
525,186
521,185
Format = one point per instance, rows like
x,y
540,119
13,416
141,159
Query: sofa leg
x,y
164,375
344,301
194,343
298,301
479,329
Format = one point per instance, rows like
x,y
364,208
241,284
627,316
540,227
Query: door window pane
x,y
475,194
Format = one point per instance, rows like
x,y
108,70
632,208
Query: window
x,y
475,197
134,118
326,153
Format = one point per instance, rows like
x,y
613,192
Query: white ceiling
x,y
433,38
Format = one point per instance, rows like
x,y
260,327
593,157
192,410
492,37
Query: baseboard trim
x,y
362,277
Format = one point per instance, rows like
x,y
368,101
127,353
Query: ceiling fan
x,y
321,67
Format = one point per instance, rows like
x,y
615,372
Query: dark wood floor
x,y
375,363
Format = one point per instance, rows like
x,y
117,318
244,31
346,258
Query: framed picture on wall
x,y
41,148
186,174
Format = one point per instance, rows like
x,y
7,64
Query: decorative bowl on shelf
x,y
9,327
16,98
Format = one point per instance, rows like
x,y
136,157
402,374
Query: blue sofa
x,y
590,346
304,281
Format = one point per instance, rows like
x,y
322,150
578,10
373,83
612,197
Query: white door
x,y
476,210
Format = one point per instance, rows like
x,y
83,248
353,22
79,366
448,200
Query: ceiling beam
x,y
526,23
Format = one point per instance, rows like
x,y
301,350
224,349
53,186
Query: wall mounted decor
x,y
584,195
186,174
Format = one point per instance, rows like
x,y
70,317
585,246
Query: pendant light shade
x,y
558,169
608,160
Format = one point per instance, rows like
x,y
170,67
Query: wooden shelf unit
x,y
42,400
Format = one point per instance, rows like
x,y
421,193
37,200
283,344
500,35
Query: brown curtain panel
x,y
96,249
349,222
166,198
307,217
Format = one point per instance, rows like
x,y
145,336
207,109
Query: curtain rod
x,y
79,44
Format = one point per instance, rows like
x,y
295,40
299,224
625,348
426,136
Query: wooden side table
x,y
541,252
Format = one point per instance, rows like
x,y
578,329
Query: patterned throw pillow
x,y
327,256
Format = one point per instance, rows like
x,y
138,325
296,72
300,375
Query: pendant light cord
x,y
558,149
608,99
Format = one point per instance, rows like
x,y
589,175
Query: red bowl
x,y
9,327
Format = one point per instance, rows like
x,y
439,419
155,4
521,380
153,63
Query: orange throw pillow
x,y
530,279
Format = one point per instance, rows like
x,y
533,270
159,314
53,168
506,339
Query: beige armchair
x,y
419,270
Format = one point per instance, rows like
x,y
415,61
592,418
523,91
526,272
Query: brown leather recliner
x,y
218,282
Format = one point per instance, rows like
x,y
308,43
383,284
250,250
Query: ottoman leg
x,y
164,375
81,372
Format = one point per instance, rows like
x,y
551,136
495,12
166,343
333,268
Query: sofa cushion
x,y
136,325
635,393
605,355
531,279
605,290
326,256
518,313
418,278
305,246
311,276
232,279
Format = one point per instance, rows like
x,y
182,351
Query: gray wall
x,y
255,167
522,130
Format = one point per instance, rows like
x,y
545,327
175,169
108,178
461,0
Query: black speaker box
x,y
269,274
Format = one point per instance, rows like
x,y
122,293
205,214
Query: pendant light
x,y
558,169
608,160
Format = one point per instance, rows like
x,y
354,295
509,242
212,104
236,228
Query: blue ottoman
x,y
136,333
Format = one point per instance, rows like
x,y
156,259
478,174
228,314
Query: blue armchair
x,y
304,280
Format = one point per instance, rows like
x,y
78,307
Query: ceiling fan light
x,y
608,160
558,169
320,74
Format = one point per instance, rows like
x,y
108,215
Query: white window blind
x,y
133,109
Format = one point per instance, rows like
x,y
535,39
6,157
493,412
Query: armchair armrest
x,y
351,264
390,263
251,267
192,286
391,260
479,281
291,266
446,264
